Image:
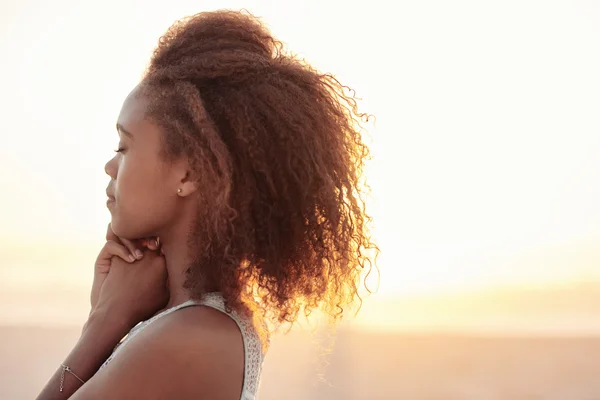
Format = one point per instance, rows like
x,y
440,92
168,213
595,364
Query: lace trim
x,y
253,351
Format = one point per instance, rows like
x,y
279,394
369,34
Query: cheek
x,y
144,204
136,177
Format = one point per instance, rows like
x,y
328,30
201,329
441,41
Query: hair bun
x,y
208,39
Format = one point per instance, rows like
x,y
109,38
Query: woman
x,y
240,167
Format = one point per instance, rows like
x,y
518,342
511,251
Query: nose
x,y
111,168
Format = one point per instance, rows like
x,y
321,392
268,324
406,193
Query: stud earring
x,y
179,190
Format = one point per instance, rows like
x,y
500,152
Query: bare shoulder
x,y
190,322
195,352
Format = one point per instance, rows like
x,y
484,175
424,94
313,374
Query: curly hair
x,y
277,152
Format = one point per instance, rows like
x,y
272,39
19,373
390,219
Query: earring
x,y
179,190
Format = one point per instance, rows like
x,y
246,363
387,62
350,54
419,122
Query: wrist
x,y
101,333
108,325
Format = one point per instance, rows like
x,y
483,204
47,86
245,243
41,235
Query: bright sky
x,y
487,144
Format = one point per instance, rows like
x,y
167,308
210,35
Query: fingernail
x,y
138,254
131,258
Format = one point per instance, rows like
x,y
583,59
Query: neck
x,y
175,249
174,246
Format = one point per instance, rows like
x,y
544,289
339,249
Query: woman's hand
x,y
117,247
134,291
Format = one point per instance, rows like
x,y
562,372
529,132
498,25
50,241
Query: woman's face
x,y
143,188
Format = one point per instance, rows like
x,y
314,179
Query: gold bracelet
x,y
62,375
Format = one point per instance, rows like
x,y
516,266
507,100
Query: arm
x,y
194,353
129,292
98,339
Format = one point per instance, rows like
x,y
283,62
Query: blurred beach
x,y
514,343
366,365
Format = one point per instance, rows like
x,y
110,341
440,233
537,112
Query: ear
x,y
186,185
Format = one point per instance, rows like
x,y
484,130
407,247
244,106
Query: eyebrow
x,y
124,131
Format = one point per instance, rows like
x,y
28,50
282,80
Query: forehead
x,y
134,108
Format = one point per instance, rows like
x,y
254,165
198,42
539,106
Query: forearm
x,y
100,335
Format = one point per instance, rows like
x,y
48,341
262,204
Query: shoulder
x,y
194,351
198,331
195,322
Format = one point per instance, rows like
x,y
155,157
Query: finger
x,y
133,249
152,243
112,248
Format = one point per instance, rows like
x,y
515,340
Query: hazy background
x,y
486,188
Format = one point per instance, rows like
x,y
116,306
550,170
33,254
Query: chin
x,y
116,226
121,228
127,228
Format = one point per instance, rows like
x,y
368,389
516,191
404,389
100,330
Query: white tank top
x,y
253,352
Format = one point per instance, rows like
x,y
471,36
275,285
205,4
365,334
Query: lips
x,y
110,196
110,202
